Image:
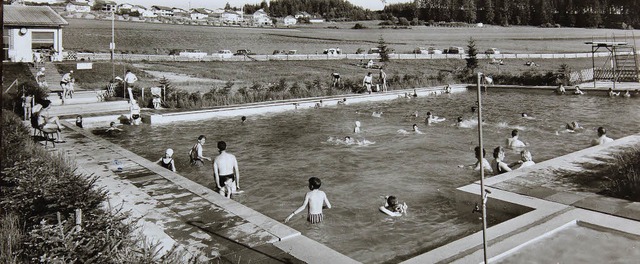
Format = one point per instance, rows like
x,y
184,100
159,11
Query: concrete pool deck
x,y
175,211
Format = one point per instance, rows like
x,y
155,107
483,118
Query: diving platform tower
x,y
621,63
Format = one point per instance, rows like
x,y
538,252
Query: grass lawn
x,y
150,38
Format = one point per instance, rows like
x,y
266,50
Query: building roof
x,y
166,8
78,3
31,16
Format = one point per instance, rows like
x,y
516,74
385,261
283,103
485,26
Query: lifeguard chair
x,y
621,63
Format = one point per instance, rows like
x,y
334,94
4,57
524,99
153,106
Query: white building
x,y
78,7
27,28
290,20
125,8
231,17
199,14
261,18
109,6
162,10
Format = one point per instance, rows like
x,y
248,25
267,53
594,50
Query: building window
x,y
6,40
42,40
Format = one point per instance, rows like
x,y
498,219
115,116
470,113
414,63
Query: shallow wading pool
x,y
277,153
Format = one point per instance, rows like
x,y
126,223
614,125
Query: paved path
x,y
175,211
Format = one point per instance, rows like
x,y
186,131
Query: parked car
x,y
225,54
285,52
192,54
433,50
455,50
420,50
332,51
492,51
243,52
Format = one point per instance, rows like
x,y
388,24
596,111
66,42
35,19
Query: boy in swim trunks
x,y
315,199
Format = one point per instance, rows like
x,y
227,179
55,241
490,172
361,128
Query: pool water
x,y
277,153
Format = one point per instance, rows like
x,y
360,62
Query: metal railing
x,y
297,57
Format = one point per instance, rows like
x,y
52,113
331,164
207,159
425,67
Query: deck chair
x,y
48,134
156,93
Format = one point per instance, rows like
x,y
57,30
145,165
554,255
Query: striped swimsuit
x,y
315,218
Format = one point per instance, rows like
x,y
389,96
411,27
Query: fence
x,y
143,57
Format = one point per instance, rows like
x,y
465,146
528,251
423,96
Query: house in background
x,y
78,7
302,14
109,6
290,20
179,12
125,8
27,28
261,18
162,11
231,17
199,14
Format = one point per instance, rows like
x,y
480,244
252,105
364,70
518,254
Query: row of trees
x,y
572,13
328,9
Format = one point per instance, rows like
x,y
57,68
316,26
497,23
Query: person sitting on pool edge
x,y
525,159
602,137
392,207
314,199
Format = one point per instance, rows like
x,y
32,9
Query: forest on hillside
x,y
566,13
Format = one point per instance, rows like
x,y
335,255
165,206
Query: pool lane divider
x,y
287,239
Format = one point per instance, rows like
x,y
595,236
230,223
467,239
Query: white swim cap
x,y
357,123
42,69
169,152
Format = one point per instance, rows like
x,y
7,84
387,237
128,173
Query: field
x,y
148,38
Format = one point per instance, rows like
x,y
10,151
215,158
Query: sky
x,y
367,4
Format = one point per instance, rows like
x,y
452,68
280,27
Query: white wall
x,y
21,47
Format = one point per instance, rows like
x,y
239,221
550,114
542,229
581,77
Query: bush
x,y
359,26
43,192
616,176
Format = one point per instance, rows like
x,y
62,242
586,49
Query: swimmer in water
x,y
627,94
612,93
416,130
526,159
392,207
243,119
377,114
498,163
348,140
459,121
356,129
113,128
480,157
577,91
514,142
573,126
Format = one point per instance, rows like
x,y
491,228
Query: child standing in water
x,y
167,161
315,199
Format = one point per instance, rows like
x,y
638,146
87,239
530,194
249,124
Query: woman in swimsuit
x,y
167,161
498,164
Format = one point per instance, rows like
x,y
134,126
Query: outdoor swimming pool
x,y
277,153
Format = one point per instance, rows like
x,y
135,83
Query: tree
x,y
472,60
227,6
469,11
489,14
384,52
